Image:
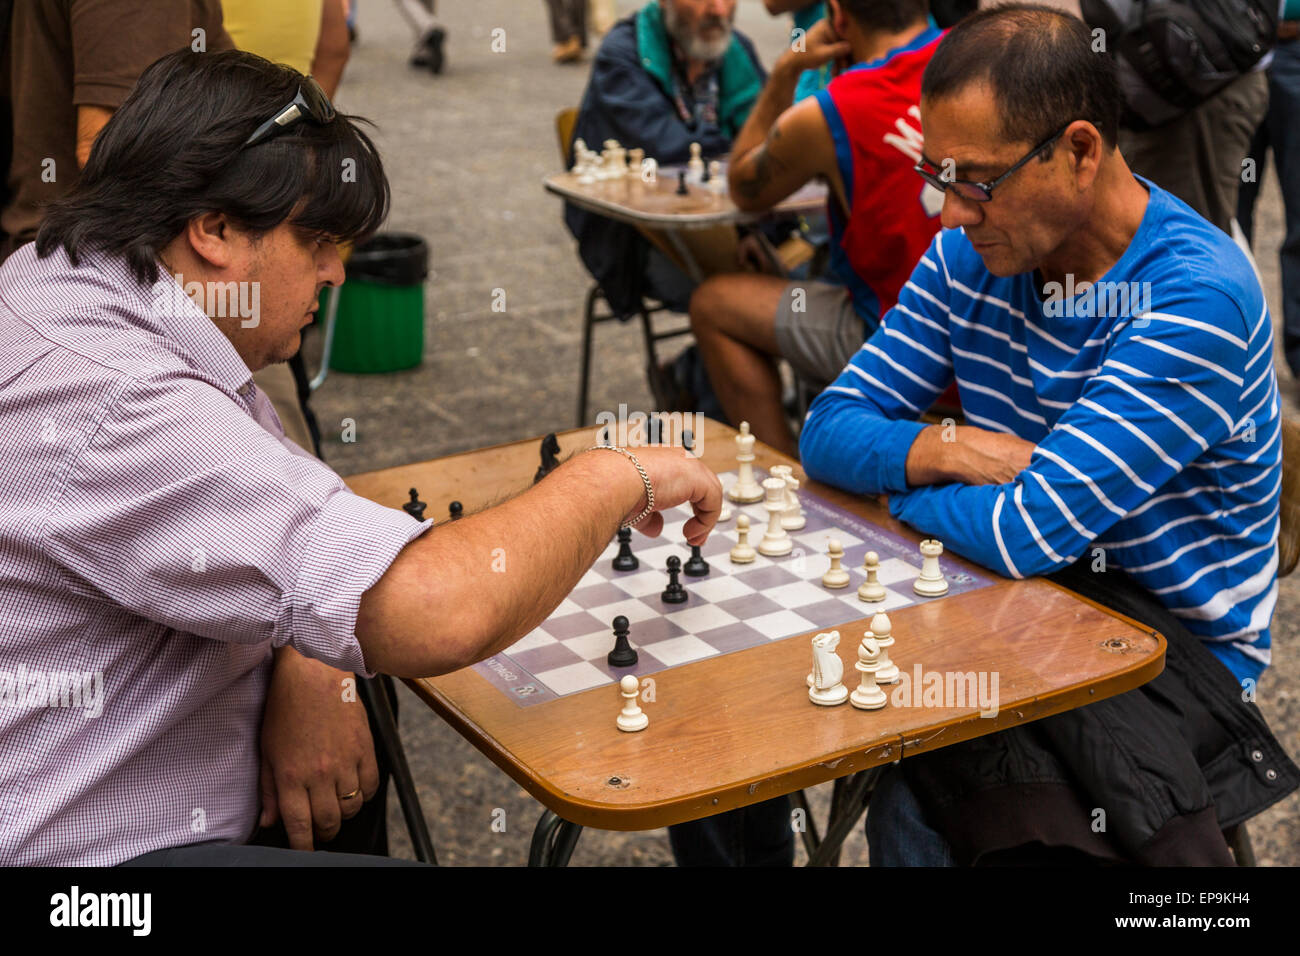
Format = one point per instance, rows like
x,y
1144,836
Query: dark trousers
x,y
760,835
1281,131
568,19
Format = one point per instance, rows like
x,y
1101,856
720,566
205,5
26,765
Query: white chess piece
x,y
871,590
636,158
742,552
887,673
725,513
717,181
792,519
868,696
632,718
775,540
836,577
827,689
931,582
746,490
695,165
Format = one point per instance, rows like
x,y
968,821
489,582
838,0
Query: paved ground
x,y
466,152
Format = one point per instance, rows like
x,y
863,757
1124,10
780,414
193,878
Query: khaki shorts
x,y
819,340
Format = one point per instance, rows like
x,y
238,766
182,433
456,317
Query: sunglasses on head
x,y
311,103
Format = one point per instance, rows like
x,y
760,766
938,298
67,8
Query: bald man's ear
x,y
211,236
1087,148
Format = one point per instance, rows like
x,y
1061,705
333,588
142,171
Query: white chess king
x,y
746,490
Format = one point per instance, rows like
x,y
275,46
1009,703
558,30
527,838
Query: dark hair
x,y
892,16
172,152
1041,67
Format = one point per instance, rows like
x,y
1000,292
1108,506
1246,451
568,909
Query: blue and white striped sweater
x,y
1158,436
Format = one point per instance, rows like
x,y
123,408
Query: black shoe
x,y
429,52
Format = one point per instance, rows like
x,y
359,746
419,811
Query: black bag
x,y
1174,55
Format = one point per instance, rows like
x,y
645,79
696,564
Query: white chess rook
x,y
871,590
746,489
775,540
887,672
931,582
632,718
868,696
827,689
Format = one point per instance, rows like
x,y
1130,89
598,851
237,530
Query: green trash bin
x,y
380,324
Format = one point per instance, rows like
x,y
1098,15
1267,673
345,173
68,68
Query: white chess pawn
x,y
931,582
636,158
827,689
742,552
871,590
746,490
887,673
695,166
836,577
775,540
717,181
868,696
632,718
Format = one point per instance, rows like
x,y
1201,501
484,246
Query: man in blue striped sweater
x,y
1113,352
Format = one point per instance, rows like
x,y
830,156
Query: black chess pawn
x,y
623,654
688,439
704,176
696,566
675,593
625,560
415,507
456,510
681,184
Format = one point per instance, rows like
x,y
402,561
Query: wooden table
x,y
736,729
657,209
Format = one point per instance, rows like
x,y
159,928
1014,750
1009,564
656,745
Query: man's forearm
x,y
776,97
470,588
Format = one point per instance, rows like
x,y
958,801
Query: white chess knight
x,y
746,490
883,630
775,540
632,718
836,577
931,582
792,519
871,590
868,696
743,552
827,689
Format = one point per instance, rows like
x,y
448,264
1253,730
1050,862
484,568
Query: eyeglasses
x,y
983,192
311,103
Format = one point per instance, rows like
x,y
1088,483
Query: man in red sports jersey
x,y
862,134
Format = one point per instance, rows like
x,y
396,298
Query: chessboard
x,y
733,608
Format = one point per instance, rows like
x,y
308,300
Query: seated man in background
x,y
162,540
673,74
861,135
1140,435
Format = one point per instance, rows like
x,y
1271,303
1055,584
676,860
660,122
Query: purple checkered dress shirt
x,y
158,536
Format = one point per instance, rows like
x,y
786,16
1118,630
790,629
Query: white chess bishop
x,y
827,689
746,490
931,582
868,696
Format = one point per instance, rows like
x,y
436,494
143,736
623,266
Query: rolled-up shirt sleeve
x,y
182,509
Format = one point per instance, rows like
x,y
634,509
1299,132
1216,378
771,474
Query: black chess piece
x,y
704,176
681,184
625,560
415,507
456,510
623,654
675,593
550,459
696,566
688,439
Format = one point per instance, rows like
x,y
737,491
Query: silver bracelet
x,y
649,488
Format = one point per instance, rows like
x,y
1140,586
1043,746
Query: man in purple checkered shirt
x,y
179,583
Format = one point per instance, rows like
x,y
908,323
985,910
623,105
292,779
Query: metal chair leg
x,y
375,697
1239,842
811,839
845,814
327,350
588,323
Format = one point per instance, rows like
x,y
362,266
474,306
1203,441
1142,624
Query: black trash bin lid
x,y
391,258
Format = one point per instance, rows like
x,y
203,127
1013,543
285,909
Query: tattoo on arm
x,y
761,166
